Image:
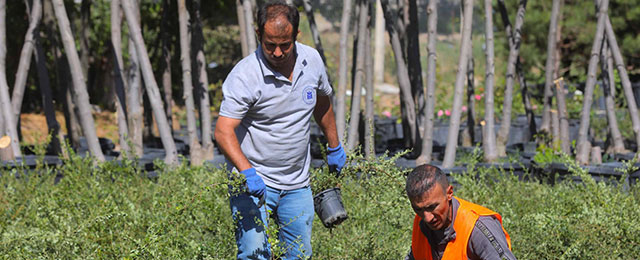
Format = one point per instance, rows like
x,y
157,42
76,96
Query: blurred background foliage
x,y
222,48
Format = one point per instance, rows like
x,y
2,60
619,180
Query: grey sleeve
x,y
324,86
236,97
488,241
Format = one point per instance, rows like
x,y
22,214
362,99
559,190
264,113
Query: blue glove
x,y
255,185
336,158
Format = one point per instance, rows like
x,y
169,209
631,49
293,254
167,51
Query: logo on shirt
x,y
308,95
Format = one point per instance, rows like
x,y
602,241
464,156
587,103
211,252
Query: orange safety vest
x,y
466,217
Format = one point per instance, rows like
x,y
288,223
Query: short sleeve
x,y
324,87
237,97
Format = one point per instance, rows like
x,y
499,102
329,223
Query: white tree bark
x,y
432,25
135,113
202,83
5,100
315,34
250,32
356,93
5,148
465,48
369,131
395,28
563,117
243,28
81,97
624,79
2,123
609,92
120,84
343,70
25,60
583,145
195,150
488,135
514,38
549,68
378,59
151,84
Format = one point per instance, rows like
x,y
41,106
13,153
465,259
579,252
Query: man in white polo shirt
x,y
263,130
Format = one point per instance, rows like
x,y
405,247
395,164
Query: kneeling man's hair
x,y
422,179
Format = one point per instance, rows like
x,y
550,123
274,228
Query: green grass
x,y
114,211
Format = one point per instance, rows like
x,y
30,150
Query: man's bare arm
x,y
226,138
323,114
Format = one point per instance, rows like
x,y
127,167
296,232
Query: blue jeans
x,y
292,211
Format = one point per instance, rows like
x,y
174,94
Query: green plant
x,y
113,210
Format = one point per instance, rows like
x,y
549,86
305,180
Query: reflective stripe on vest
x,y
466,217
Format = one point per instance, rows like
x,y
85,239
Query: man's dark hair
x,y
274,9
422,179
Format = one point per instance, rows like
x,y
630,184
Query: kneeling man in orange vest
x,y
447,227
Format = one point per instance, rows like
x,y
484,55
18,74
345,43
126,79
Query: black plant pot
x,y
328,205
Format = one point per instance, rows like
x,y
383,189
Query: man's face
x,y
278,42
433,207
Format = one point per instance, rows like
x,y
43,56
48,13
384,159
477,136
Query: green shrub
x,y
113,210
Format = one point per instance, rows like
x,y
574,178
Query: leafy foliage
x,y
113,210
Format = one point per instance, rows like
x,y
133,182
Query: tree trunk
x,y
369,131
565,143
2,125
415,71
5,100
468,136
147,116
62,76
73,122
5,141
356,93
315,34
465,48
514,38
25,60
488,135
250,32
608,90
120,84
343,70
135,114
243,28
47,95
202,86
624,79
407,106
378,59
583,145
195,149
432,25
85,19
79,84
166,61
151,85
551,48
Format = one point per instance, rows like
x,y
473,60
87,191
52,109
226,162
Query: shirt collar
x,y
301,62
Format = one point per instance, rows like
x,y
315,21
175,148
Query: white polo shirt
x,y
275,114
